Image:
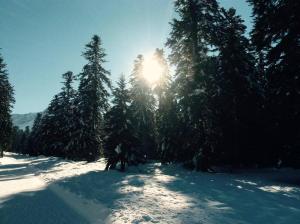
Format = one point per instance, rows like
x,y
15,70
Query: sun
x,y
152,70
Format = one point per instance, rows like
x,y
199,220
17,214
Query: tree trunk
x,y
1,151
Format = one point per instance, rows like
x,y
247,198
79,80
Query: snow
x,y
52,190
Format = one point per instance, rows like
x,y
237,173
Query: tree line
x,y
233,99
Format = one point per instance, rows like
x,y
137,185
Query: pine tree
x,y
15,139
33,146
189,40
166,112
6,103
23,147
67,113
56,125
19,140
143,108
119,142
236,80
49,136
168,128
163,84
91,103
276,34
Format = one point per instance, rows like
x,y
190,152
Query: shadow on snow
x,y
236,198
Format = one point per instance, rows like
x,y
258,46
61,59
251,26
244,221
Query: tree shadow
x,y
67,199
102,186
41,206
208,198
31,165
238,197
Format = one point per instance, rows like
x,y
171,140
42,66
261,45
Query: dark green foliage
x,y
71,127
276,35
218,93
91,103
166,113
236,101
34,146
143,107
120,142
20,140
189,44
232,101
51,124
6,103
52,134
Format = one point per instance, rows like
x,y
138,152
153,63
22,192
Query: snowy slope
x,y
23,120
51,190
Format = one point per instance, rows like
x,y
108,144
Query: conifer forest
x,y
220,98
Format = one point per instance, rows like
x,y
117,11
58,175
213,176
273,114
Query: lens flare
x,y
152,70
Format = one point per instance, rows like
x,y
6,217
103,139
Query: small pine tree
x,y
33,146
19,140
24,141
15,139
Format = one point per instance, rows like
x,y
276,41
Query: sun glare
x,y
152,70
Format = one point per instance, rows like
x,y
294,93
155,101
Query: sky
x,y
41,40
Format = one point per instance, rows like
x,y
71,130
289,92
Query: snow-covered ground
x,y
51,190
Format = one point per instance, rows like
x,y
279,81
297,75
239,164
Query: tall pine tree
x,y
6,103
276,36
91,103
189,39
143,108
236,106
166,113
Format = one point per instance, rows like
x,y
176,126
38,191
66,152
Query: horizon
x,y
38,47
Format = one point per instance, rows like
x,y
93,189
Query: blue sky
x,y
42,39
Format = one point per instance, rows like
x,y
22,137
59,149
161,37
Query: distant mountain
x,y
23,120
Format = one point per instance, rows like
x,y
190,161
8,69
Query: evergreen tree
x,y
119,142
56,125
143,108
23,147
33,146
49,136
67,113
166,112
276,35
91,103
189,41
19,140
163,84
15,139
168,128
236,103
6,103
